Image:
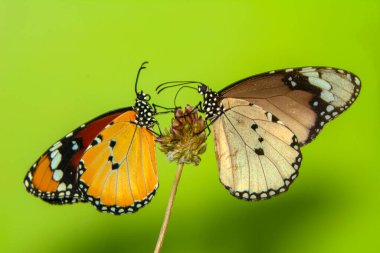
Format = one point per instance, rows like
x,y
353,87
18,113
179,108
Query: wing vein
x,y
150,156
248,147
127,165
261,145
142,161
249,169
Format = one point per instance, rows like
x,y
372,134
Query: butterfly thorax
x,y
211,106
144,111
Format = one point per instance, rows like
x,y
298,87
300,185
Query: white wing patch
x,y
339,88
258,157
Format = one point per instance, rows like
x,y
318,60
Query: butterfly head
x,y
144,111
210,102
202,89
141,96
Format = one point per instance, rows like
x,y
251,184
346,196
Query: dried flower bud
x,y
187,139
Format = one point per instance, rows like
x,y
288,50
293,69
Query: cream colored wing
x,y
258,157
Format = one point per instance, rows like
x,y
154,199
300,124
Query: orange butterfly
x,y
109,161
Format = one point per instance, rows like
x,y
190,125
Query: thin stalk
x,y
164,226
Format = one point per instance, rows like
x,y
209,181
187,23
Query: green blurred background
x,y
65,62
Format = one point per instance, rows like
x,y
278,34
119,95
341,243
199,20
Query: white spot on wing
x,y
320,83
311,74
327,96
53,153
308,69
56,161
56,146
61,187
57,175
269,115
75,146
329,108
357,81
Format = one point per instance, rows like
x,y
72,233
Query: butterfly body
x,y
261,122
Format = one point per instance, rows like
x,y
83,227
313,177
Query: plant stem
x,y
164,226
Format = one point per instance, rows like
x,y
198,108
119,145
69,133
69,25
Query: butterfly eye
x,y
202,89
141,96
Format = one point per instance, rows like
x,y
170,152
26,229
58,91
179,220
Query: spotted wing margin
x,y
53,177
118,172
258,157
304,99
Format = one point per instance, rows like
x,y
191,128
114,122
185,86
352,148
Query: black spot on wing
x,y
97,140
115,166
259,151
112,143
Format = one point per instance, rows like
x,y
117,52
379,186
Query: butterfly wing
x,y
304,99
258,157
118,172
54,176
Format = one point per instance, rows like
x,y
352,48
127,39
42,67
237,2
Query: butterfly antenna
x,y
164,86
175,97
171,82
138,74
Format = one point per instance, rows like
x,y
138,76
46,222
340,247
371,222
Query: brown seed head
x,y
186,140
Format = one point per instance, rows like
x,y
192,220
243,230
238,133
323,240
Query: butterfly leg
x,y
199,106
208,128
159,129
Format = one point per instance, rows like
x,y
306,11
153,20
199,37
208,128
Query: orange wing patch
x,y
118,172
46,183
43,177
